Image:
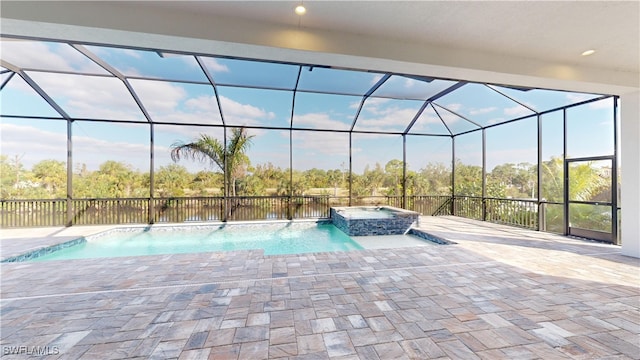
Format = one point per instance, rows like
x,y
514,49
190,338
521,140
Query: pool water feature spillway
x,y
372,220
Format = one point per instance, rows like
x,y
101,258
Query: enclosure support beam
x,y
565,173
484,175
225,181
350,164
614,176
151,175
404,171
630,196
291,207
453,175
69,221
542,222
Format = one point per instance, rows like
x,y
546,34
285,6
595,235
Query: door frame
x,y
611,237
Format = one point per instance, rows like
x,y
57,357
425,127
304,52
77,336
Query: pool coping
x,y
41,251
429,237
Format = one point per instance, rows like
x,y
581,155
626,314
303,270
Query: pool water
x,y
366,213
274,239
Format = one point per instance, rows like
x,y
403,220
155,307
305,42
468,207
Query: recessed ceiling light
x,y
588,52
301,10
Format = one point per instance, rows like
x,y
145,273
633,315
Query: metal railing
x,y
522,213
109,211
29,213
395,200
468,206
53,212
430,204
515,212
26,213
184,209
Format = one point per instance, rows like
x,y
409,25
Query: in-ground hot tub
x,y
372,220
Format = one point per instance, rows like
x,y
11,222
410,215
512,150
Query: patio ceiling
x,y
64,80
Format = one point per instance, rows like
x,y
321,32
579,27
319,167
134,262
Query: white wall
x,y
630,192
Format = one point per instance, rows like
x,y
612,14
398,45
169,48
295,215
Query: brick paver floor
x,y
499,293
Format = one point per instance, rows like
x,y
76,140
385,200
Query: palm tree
x,y
229,158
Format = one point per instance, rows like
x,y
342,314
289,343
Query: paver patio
x,y
499,293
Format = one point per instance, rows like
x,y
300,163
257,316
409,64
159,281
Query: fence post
x,y
542,216
118,215
453,205
484,209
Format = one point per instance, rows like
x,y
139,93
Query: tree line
x,y
47,179
233,168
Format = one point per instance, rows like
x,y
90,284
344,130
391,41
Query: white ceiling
x,y
553,31
525,43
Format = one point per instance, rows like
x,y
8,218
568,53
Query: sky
x,y
175,89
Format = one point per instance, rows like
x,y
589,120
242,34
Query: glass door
x,y
591,206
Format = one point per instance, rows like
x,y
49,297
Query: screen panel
x,y
377,165
468,164
33,157
110,160
429,165
255,107
151,64
90,97
171,102
512,157
590,129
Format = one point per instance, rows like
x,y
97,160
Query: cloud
x,y
90,96
236,113
453,107
94,152
214,66
573,98
354,105
128,52
495,120
40,55
183,133
448,117
42,144
373,103
375,79
159,96
517,111
119,55
377,115
46,144
18,84
319,121
513,156
602,104
409,83
429,117
482,110
169,102
203,103
322,150
321,143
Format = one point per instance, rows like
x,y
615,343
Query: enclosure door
x,y
590,206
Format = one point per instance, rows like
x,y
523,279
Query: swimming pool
x,y
274,239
